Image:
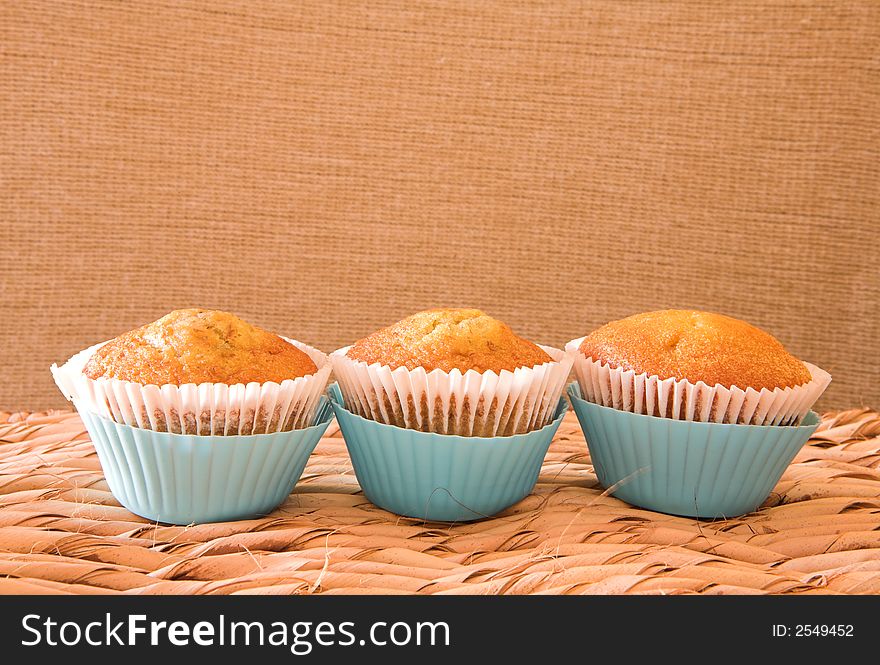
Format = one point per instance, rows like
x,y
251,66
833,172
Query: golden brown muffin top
x,y
448,339
697,346
199,346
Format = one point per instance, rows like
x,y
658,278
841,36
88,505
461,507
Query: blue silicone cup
x,y
442,477
697,469
186,479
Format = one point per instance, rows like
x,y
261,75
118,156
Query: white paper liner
x,y
467,404
682,400
205,408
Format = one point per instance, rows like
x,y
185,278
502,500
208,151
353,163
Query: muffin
x,y
448,414
692,365
200,416
448,339
452,371
691,413
199,346
199,371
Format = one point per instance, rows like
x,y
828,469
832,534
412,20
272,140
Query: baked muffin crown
x,y
697,346
199,346
447,339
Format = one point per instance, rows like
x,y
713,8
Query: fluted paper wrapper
x,y
205,408
682,400
467,404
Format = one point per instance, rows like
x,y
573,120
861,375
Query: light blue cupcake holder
x,y
186,479
442,477
696,469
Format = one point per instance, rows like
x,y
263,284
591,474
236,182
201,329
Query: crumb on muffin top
x,y
697,346
199,346
447,339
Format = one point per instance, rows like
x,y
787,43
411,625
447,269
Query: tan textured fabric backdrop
x,y
324,168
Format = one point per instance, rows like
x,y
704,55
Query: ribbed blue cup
x,y
697,469
442,477
186,479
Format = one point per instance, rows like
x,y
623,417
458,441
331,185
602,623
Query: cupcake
x,y
199,371
691,412
200,416
448,414
452,371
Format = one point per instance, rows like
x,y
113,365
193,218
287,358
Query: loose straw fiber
x,y
61,531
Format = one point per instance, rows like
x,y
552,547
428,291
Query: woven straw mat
x,y
61,531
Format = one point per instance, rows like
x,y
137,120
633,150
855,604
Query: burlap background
x,y
324,168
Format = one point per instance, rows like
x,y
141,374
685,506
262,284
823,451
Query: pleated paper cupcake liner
x,y
442,477
697,469
205,408
468,404
682,400
186,479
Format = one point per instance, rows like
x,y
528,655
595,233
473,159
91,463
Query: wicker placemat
x,y
61,531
